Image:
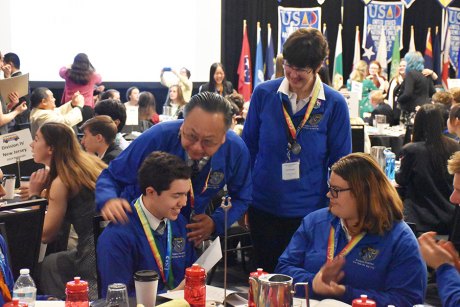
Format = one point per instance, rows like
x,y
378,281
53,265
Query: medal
x,y
296,148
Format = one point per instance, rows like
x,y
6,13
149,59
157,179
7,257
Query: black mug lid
x,y
146,275
25,178
9,176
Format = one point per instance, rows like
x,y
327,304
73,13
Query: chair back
x,y
98,227
24,227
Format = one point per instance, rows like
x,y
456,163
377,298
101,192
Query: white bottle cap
x,y
24,271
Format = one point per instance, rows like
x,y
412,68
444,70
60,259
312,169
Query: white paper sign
x,y
353,104
132,116
451,83
14,146
211,255
357,87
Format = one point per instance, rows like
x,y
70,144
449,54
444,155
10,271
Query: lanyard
x,y
3,286
332,242
292,131
192,194
165,269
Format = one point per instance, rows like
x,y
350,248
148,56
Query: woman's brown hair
x,y
378,203
75,167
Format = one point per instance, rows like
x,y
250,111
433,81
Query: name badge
x,y
291,170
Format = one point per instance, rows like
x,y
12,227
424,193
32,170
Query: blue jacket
x,y
5,267
325,138
448,280
388,269
123,249
229,165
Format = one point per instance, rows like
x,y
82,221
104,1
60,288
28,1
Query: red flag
x,y
244,68
445,57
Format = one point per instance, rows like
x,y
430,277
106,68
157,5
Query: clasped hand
x,y
326,281
200,229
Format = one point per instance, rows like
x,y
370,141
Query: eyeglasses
x,y
296,69
335,191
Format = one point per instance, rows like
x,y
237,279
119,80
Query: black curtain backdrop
x,y
422,14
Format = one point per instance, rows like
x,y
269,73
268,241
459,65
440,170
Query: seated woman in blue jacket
x,y
359,245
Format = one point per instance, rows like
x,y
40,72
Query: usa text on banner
x,y
453,21
290,19
387,15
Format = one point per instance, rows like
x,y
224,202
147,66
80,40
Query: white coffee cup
x,y
9,181
146,284
24,181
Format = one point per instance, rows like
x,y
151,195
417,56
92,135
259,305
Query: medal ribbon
x,y
331,244
312,103
165,269
192,194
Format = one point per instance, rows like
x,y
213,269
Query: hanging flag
x,y
428,56
269,55
437,54
259,67
337,75
369,49
382,51
357,55
412,40
445,3
445,56
395,57
244,67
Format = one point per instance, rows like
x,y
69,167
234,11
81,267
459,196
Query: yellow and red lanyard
x,y
331,244
165,269
192,194
292,130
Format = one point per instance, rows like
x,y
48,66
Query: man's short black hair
x,y
37,96
113,108
160,169
211,103
12,58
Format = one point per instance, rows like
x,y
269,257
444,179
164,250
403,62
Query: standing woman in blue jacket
x,y
360,244
296,128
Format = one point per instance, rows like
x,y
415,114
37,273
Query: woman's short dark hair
x,y
160,169
37,96
306,47
211,103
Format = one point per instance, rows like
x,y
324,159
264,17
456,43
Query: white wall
x,y
129,40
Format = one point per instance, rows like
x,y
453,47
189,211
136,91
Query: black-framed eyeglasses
x,y
297,69
335,191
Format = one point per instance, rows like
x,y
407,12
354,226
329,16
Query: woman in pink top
x,y
82,77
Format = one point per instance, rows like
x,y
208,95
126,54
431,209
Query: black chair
x,y
98,227
24,225
454,236
357,138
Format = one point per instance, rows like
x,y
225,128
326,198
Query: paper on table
x,y
211,255
212,294
18,84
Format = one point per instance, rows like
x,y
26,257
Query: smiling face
x,y
169,203
299,78
219,75
202,133
41,151
374,69
344,206
48,103
402,67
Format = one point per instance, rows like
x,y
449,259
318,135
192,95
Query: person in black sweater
x,y
417,87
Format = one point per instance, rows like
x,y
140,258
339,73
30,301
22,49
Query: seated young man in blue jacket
x,y
155,237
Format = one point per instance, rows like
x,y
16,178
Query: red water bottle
x,y
255,275
195,286
15,303
363,301
76,293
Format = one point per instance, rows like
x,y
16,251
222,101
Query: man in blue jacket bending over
x,y
155,238
218,157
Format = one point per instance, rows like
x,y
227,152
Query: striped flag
x,y
428,56
445,55
395,56
412,40
437,54
244,67
357,54
259,67
337,75
269,55
382,51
